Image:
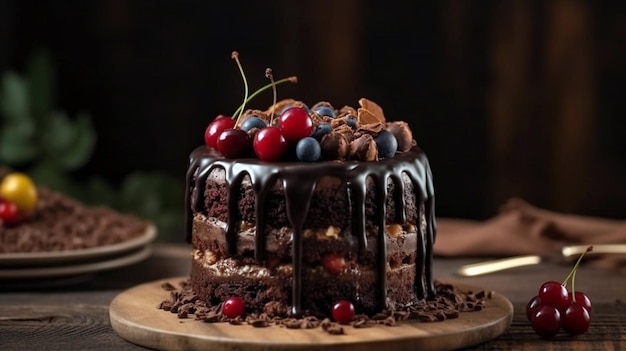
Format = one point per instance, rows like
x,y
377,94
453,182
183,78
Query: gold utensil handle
x,y
577,250
480,268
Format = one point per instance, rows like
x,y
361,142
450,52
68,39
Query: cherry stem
x,y
235,56
270,76
572,274
292,79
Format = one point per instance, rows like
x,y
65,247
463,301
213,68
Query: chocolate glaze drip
x,y
299,180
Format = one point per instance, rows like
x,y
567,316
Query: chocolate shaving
x,y
403,134
448,303
280,105
60,223
335,330
366,116
168,287
347,110
316,119
260,323
364,148
339,121
371,128
373,109
335,146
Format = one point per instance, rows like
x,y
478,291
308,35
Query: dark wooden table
x,y
76,317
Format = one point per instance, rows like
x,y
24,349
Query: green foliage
x,y
49,145
19,129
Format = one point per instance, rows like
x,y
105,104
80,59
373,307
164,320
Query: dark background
x,y
508,98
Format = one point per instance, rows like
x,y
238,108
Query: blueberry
x,y
253,122
308,149
387,144
351,121
326,111
321,130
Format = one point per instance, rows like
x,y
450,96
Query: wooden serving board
x,y
135,317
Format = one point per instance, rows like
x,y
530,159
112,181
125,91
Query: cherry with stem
x,y
270,76
235,56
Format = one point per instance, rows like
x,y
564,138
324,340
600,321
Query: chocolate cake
x,y
291,237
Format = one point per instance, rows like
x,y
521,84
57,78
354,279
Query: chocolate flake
x,y
60,223
449,303
335,330
168,287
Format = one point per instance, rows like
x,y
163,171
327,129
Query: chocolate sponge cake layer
x,y
284,220
209,236
329,205
265,288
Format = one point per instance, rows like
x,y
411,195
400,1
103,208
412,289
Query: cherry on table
x,y
576,319
554,307
554,294
582,299
532,306
546,320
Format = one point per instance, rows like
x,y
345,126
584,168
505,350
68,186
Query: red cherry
x,y
233,143
295,124
334,263
270,144
8,212
576,319
581,299
554,307
554,294
532,306
215,128
234,307
343,312
546,321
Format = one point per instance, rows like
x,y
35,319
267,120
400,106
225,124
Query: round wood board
x,y
136,318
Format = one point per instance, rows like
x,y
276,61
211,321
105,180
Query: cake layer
x,y
271,291
210,236
330,203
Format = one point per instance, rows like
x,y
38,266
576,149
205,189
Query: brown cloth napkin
x,y
520,229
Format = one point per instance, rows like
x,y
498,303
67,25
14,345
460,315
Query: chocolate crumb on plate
x,y
60,223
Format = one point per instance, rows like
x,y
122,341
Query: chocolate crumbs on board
x,y
448,304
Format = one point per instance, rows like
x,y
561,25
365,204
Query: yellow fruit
x,y
19,189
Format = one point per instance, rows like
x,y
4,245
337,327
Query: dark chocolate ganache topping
x,y
299,181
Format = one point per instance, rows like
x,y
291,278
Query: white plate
x,y
39,259
76,268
